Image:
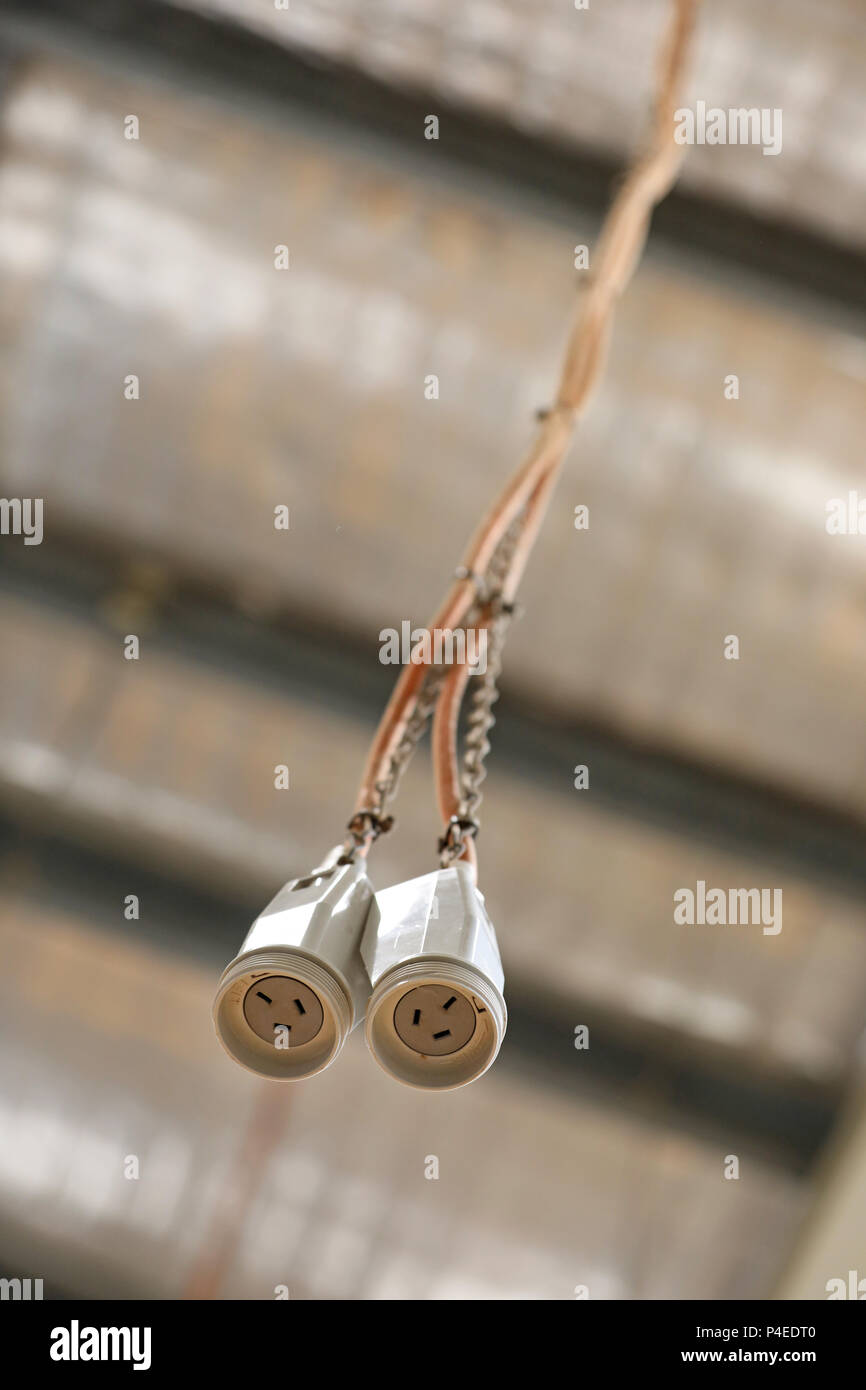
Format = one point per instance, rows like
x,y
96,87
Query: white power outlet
x,y
289,999
436,1017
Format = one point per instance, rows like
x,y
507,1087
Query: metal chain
x,y
367,825
479,722
414,732
371,822
481,718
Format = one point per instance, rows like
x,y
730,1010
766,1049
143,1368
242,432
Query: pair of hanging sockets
x,y
418,962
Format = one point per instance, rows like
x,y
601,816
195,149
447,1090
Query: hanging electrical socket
x,y
289,999
436,1017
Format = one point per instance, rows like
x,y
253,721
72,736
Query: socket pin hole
x,y
419,1024
271,1002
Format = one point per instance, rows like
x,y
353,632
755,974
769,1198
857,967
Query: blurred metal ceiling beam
x,y
189,45
294,651
579,1188
707,516
827,1257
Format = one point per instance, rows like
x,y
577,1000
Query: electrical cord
x,y
493,565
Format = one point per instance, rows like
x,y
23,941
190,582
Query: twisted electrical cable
x,y
526,496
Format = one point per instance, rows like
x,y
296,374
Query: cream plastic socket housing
x,y
289,999
436,1017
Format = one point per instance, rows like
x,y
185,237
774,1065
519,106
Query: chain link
x,y
367,825
476,746
413,733
481,719
371,822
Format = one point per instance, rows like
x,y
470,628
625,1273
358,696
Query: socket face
x,y
279,1001
434,1020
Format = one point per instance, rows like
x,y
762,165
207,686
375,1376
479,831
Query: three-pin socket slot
x,y
435,1024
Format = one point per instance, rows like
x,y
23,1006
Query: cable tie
x,y
368,824
456,832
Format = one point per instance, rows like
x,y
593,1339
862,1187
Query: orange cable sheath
x,y
446,718
548,447
620,245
